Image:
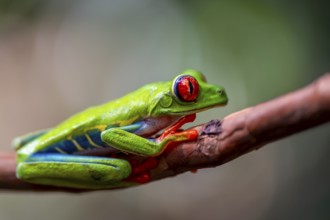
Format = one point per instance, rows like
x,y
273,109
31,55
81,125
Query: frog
x,y
142,123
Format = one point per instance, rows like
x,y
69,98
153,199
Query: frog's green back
x,y
120,112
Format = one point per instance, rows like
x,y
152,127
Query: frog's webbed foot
x,y
88,172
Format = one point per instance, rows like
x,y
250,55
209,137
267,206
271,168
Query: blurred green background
x,y
59,57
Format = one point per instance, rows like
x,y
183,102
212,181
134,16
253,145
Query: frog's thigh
x,y
74,171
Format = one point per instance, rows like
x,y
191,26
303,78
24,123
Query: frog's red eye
x,y
186,88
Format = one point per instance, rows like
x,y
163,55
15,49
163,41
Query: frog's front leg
x,y
87,172
128,142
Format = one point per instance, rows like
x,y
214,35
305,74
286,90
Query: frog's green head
x,y
188,93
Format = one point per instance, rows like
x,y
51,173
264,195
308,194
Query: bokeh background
x,y
59,57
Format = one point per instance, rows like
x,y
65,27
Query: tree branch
x,y
221,141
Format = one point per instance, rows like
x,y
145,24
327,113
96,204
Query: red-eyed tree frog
x,y
65,155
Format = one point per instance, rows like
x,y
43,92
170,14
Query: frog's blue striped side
x,y
90,140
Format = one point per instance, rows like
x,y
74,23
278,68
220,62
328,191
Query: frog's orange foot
x,y
140,171
141,178
183,136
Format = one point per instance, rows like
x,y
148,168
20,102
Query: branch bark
x,y
221,141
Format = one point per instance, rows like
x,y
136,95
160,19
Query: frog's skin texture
x,y
60,156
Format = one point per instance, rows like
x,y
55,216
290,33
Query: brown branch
x,y
223,140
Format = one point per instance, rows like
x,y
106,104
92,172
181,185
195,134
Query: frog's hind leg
x,y
19,142
85,172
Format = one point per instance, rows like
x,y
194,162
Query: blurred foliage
x,y
25,10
